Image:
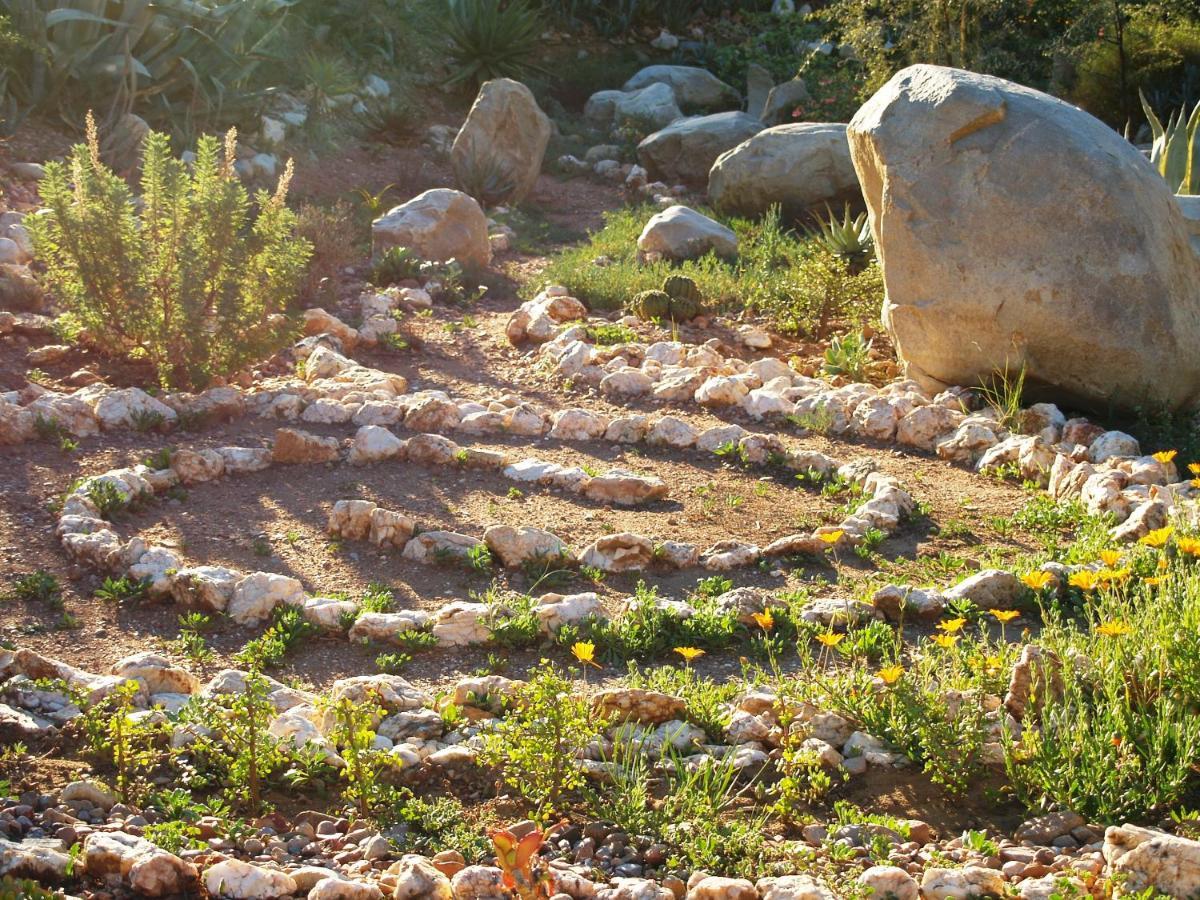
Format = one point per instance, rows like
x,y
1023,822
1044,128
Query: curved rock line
x,y
248,598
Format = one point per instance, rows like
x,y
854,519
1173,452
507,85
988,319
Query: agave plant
x,y
169,59
1176,149
849,237
484,177
489,40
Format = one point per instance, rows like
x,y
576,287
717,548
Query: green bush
x,y
1117,735
821,291
1014,39
763,39
186,276
536,744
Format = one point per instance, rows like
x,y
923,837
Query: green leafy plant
x,y
159,459
191,641
377,598
131,744
479,558
174,836
691,810
646,628
146,420
1119,737
37,586
185,277
489,39
803,780
535,745
392,663
848,355
394,265
353,732
239,742
117,590
268,650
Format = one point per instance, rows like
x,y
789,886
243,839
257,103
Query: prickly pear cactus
x,y
651,305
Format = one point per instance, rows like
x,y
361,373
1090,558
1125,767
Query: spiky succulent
x,y
680,287
651,305
849,238
1176,150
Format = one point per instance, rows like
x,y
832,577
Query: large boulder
x,y
1015,229
437,225
1190,206
686,149
505,134
695,89
800,167
647,109
680,232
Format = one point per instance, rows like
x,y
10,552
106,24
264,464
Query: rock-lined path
x,y
376,467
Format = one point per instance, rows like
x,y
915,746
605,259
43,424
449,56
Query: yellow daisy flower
x,y
1035,581
585,652
891,674
1158,537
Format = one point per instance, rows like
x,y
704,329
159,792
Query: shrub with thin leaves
x,y
191,276
535,746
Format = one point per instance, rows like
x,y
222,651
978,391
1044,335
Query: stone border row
x,y
248,598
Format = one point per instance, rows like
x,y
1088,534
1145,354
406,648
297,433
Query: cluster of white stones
x,y
97,407
374,443
900,412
